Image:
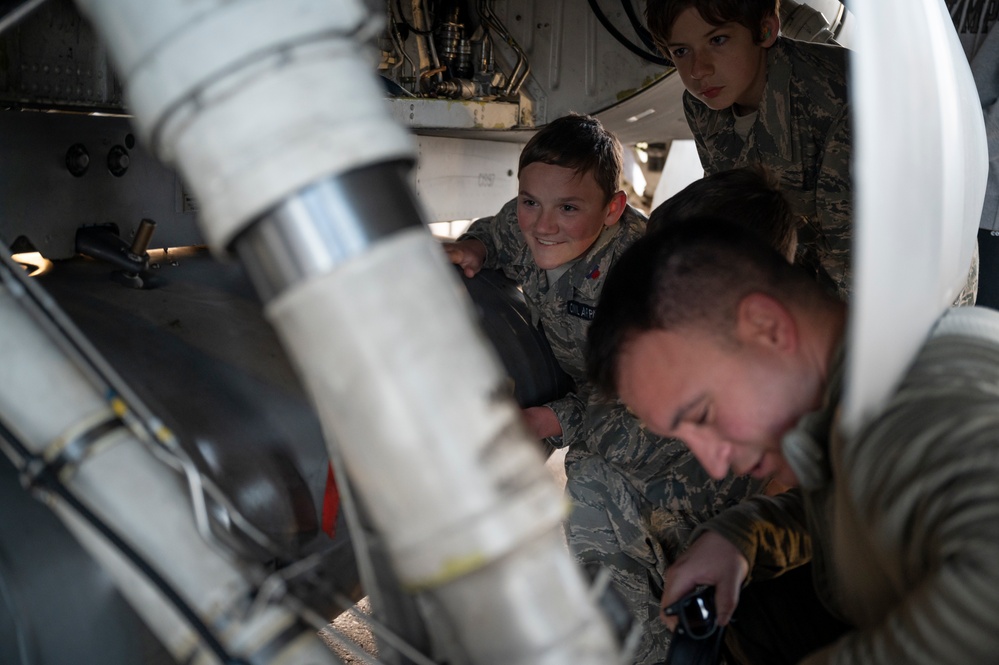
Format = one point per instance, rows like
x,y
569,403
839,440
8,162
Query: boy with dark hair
x,y
750,14
754,97
557,240
709,335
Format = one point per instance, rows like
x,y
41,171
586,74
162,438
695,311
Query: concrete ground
x,y
356,629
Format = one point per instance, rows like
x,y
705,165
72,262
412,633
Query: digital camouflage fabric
x,y
802,133
637,498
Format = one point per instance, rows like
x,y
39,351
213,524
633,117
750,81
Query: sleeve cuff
x,y
569,411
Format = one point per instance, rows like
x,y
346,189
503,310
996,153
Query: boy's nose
x,y
701,66
546,223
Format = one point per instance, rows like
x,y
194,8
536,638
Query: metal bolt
x,y
118,161
77,160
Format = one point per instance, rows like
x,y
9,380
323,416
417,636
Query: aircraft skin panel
x,y
576,64
464,179
69,154
919,172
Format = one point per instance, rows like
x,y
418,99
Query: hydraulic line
x,y
120,486
636,23
43,477
624,41
522,68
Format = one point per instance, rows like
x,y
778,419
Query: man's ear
x,y
615,208
765,321
769,29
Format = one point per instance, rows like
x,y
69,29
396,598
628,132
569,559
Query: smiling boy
x,y
755,97
556,240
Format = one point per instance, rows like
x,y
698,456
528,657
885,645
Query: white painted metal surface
x,y
919,177
464,179
653,115
682,167
455,114
576,65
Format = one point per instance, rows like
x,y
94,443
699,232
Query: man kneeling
x,y
710,336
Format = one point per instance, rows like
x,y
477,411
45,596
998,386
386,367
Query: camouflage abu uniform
x,y
636,498
566,308
802,134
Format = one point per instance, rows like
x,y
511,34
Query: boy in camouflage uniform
x,y
557,240
754,97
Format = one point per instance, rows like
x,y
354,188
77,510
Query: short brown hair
x,y
749,196
690,275
662,14
581,143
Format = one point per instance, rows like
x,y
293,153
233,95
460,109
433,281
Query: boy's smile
x,y
721,65
562,212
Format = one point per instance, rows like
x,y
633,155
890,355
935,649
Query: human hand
x,y
711,560
469,254
542,422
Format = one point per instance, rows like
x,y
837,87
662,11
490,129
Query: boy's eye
x,y
528,202
568,208
679,52
718,40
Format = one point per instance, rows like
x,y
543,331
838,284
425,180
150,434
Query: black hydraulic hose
x,y
640,29
604,21
46,478
15,15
